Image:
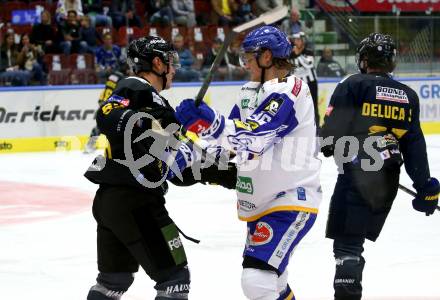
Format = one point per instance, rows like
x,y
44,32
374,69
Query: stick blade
x,y
267,18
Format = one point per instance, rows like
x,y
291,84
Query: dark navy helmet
x,y
142,51
379,50
270,38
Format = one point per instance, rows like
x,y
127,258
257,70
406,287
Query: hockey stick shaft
x,y
407,190
411,192
266,18
215,64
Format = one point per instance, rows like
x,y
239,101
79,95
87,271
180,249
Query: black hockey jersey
x,y
367,104
131,95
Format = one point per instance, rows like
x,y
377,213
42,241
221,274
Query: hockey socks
x,y
287,294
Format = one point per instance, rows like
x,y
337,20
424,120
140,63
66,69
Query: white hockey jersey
x,y
272,131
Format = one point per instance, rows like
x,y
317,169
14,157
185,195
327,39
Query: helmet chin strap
x,y
163,76
263,69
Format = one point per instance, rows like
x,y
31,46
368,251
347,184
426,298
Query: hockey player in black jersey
x,y
134,227
381,116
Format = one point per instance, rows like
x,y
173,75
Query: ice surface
x,y
54,259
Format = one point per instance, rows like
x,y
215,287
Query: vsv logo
x,y
244,185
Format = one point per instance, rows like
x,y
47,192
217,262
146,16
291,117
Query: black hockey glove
x,y
328,150
427,197
225,178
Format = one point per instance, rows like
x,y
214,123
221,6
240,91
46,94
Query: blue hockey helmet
x,y
268,37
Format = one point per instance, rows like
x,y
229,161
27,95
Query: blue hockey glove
x,y
427,197
178,160
201,119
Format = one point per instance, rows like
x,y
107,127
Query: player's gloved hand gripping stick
x,y
200,116
426,198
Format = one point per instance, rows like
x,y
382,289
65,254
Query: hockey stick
x,y
411,192
267,18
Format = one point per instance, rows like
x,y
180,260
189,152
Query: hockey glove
x,y
427,197
201,119
178,160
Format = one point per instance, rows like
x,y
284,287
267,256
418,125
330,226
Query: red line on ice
x,y
25,202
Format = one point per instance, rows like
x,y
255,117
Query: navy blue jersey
x,y
367,104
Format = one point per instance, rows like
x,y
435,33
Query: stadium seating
x,y
59,77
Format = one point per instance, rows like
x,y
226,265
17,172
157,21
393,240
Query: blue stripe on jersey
x,y
235,113
274,118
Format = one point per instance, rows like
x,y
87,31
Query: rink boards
x,y
60,118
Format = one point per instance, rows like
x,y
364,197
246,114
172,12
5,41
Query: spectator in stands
x,y
161,12
244,12
10,72
30,59
88,35
263,6
183,12
64,7
222,71
43,34
70,35
293,24
185,72
224,9
327,66
123,13
236,71
98,13
108,58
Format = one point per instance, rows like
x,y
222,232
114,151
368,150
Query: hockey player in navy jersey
x,y
272,131
372,107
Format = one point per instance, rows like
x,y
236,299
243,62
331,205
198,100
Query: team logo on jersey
x,y
245,103
273,106
118,99
391,94
263,234
301,192
244,185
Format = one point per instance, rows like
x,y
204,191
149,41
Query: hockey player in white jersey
x,y
272,131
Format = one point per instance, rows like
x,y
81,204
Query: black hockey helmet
x,y
142,51
379,50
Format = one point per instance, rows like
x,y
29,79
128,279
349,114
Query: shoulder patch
x,y
118,99
297,87
391,94
273,106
